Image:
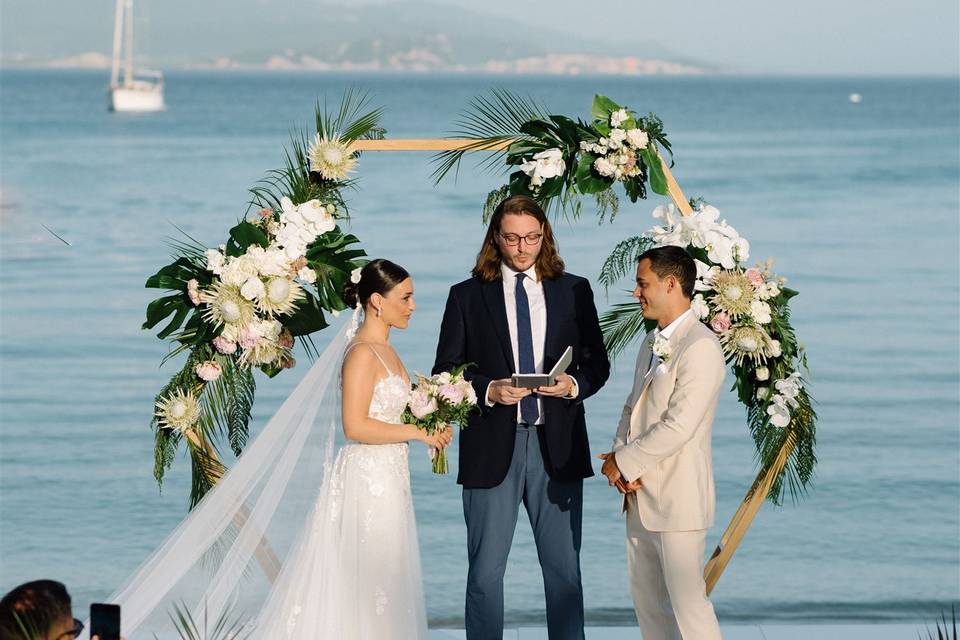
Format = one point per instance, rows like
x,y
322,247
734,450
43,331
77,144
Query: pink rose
x,y
754,276
193,291
421,404
224,346
248,338
721,322
451,393
208,371
266,213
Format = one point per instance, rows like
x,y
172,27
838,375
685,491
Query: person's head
x,y
519,235
385,292
38,610
665,280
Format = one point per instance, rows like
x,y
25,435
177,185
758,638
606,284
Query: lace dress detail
x,y
356,574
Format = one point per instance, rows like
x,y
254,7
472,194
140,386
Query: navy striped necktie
x,y
528,405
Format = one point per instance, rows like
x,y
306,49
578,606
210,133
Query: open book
x,y
534,380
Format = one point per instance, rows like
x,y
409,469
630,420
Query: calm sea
x,y
858,203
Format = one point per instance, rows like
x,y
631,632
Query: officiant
x,y
518,313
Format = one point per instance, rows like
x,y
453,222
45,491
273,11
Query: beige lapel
x,y
675,339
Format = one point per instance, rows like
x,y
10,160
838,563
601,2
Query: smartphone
x,y
105,621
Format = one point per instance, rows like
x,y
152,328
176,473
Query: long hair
x,y
549,264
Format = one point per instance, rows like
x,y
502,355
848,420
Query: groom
x,y
661,458
517,314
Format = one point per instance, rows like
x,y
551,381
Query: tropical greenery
x,y
241,305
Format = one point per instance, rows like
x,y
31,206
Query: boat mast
x,y
117,31
128,22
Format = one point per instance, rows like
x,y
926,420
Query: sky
x,y
833,37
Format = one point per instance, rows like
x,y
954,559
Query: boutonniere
x,y
661,349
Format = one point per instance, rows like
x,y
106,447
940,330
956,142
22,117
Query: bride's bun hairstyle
x,y
377,276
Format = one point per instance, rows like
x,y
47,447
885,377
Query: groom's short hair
x,y
673,261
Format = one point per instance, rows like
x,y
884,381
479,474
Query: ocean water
x,y
858,204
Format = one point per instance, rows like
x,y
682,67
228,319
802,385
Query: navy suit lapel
x,y
493,297
554,299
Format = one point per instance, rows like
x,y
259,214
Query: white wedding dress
x,y
298,540
355,573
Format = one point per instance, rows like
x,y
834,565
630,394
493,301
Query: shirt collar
x,y
510,275
668,330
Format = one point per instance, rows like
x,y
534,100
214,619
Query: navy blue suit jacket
x,y
474,330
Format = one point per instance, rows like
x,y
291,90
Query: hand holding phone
x,y
105,621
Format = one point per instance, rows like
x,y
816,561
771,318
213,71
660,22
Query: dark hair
x,y
549,265
672,261
33,607
377,276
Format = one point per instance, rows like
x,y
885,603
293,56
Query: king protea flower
x,y
330,158
746,342
734,293
226,305
280,297
178,411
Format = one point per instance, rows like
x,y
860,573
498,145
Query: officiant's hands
x,y
614,477
563,388
503,392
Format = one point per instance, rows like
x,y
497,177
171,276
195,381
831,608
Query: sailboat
x,y
142,93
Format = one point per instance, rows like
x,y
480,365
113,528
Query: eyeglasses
x,y
512,239
71,634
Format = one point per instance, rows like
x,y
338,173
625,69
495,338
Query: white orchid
x,y
544,165
779,412
790,386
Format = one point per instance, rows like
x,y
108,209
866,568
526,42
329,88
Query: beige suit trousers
x,y
666,582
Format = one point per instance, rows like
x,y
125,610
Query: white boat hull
x,y
137,98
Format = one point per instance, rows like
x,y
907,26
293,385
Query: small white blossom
x,y
661,348
638,138
763,374
618,117
700,306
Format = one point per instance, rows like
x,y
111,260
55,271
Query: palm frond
x,y
945,630
205,469
622,260
489,119
225,627
622,324
607,202
494,198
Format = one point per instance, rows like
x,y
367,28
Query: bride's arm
x,y
358,382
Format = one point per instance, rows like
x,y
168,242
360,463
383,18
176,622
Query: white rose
x,y
618,117
307,274
763,374
762,393
252,289
215,261
638,138
772,290
616,138
700,306
604,167
760,312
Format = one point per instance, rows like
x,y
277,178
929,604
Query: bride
x,y
356,573
293,543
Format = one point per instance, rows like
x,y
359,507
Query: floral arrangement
x,y
240,306
748,308
438,401
558,159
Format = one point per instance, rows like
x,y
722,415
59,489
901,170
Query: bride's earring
x,y
378,312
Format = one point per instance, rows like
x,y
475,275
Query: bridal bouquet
x,y
437,401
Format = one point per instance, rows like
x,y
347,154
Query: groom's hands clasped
x,y
614,477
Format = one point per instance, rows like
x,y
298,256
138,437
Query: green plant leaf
x,y
602,107
658,181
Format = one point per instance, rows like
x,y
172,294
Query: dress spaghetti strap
x,y
379,357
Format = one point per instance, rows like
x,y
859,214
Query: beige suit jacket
x,y
664,433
